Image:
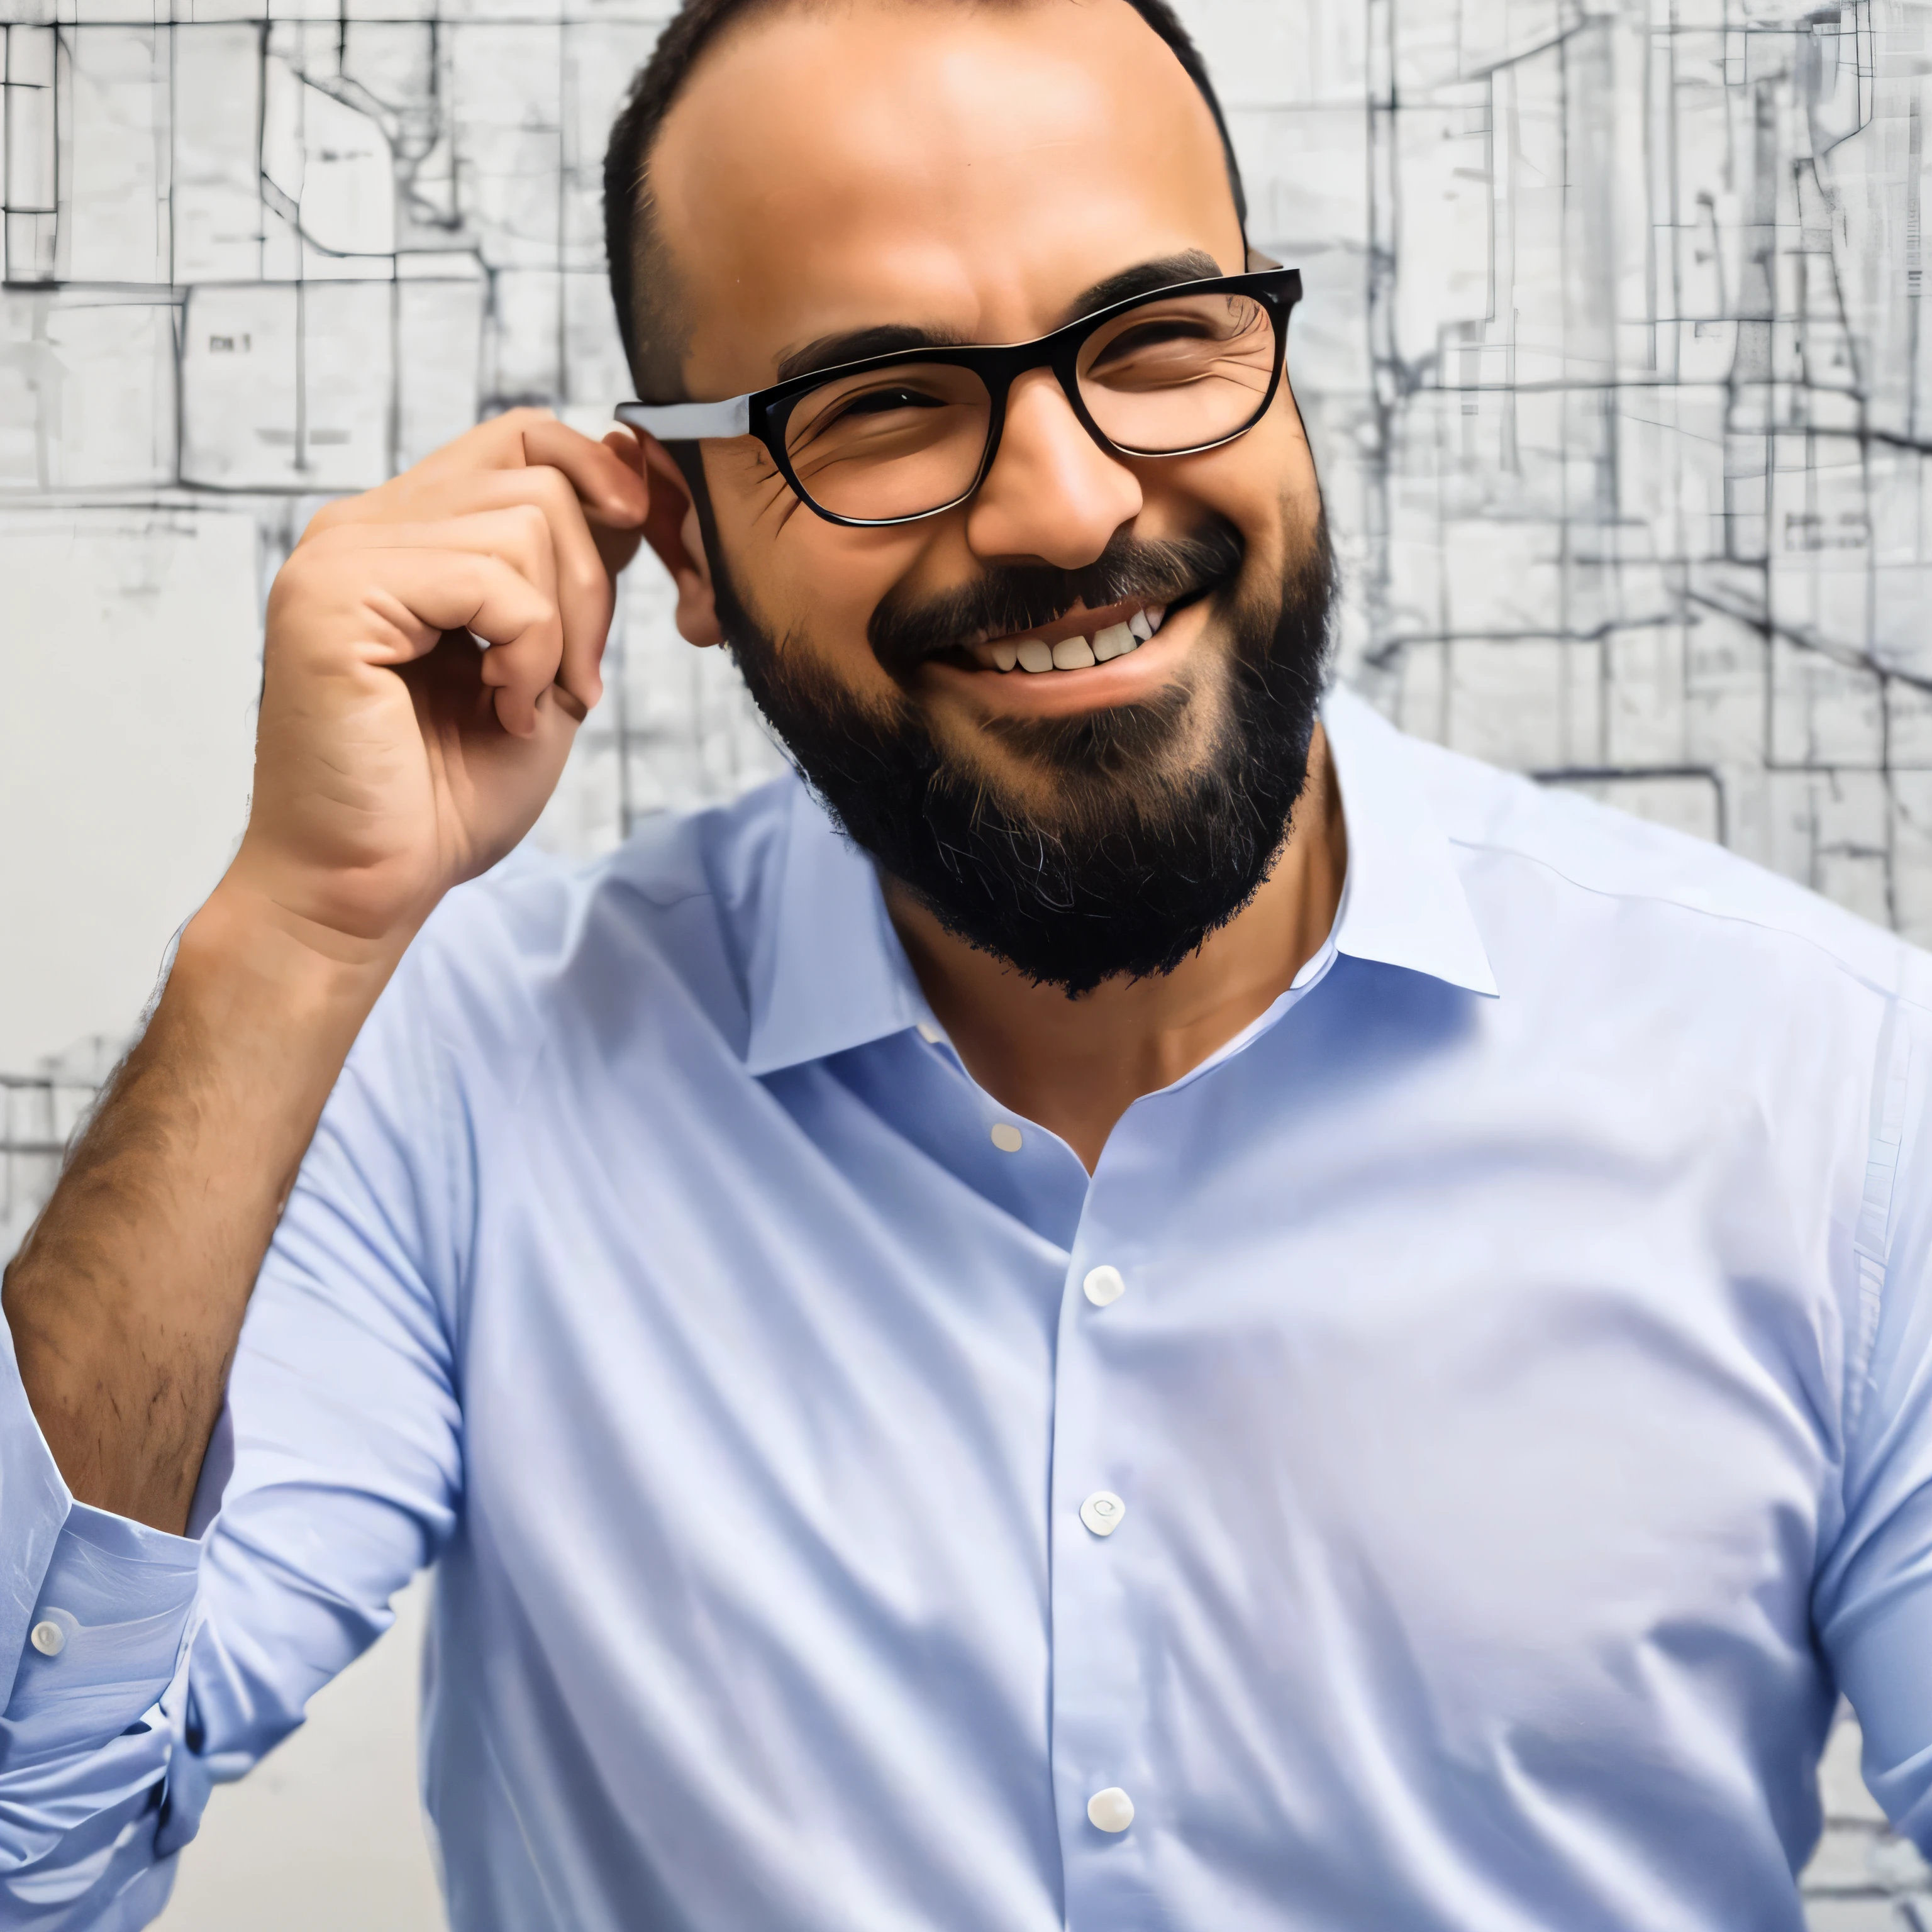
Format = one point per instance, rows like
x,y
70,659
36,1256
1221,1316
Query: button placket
x,y
1101,1775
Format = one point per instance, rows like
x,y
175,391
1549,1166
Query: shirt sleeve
x,y
92,1630
333,1477
1873,1604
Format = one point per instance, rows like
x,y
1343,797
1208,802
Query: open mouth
x,y
1078,641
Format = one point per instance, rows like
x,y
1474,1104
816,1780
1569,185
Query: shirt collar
x,y
1403,903
828,972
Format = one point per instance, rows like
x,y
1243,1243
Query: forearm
x,y
127,1300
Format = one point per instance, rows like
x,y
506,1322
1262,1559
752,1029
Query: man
x,y
1225,1321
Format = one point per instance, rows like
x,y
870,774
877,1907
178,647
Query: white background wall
x,y
131,662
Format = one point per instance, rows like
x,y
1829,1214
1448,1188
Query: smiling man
x,y
1141,1306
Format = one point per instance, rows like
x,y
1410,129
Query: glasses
x,y
893,438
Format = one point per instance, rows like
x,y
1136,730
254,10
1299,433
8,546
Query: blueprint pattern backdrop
x,y
1613,356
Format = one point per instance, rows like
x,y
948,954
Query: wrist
x,y
244,954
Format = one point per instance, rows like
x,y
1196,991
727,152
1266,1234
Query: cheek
x,y
813,583
1264,485
828,580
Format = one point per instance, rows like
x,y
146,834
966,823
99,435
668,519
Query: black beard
x,y
1142,856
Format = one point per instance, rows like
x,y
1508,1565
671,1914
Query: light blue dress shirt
x,y
1503,1376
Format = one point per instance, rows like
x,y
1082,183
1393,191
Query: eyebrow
x,y
854,345
1194,265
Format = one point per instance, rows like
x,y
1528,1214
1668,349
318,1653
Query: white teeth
x,y
1139,625
1036,654
1156,616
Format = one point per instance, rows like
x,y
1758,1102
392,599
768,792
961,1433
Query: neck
x,y
1076,1065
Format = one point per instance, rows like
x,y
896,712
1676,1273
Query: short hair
x,y
647,320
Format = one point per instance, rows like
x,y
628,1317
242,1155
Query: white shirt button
x,y
1112,1809
930,1033
48,1638
1102,1512
1006,1137
1104,1286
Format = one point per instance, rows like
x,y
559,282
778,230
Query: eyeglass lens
x,y
1174,373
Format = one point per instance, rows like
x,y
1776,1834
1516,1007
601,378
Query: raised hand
x,y
398,755
432,647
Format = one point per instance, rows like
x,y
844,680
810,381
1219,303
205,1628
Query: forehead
x,y
970,165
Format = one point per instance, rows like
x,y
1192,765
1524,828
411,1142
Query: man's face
x,y
976,171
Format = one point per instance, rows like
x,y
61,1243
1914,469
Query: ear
x,y
671,530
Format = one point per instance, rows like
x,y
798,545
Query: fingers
x,y
611,491
628,448
520,619
617,545
392,591
570,567
594,496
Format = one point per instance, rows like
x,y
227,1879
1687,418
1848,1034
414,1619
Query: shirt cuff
x,y
109,1599
33,1505
105,1636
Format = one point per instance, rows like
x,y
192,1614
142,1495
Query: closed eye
x,y
1147,336
878,402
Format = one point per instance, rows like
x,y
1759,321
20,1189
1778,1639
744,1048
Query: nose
x,y
1053,494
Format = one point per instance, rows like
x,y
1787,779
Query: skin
x,y
983,176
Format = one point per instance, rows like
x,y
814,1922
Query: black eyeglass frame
x,y
764,413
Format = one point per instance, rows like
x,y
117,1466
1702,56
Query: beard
x,y
1165,817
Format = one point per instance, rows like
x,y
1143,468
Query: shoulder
x,y
1556,854
677,908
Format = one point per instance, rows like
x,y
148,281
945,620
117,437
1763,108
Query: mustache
x,y
1010,598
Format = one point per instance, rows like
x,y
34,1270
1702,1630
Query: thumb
x,y
626,448
616,546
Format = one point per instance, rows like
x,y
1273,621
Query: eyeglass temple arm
x,y
687,422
